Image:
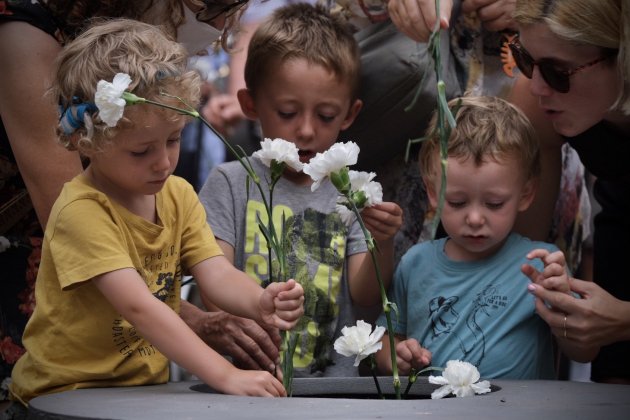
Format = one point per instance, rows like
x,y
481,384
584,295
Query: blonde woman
x,y
575,55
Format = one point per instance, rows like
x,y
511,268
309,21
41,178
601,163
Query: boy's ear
x,y
528,194
246,101
352,113
431,193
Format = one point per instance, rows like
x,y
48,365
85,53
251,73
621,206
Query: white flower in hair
x,y
359,341
109,98
459,378
332,163
281,151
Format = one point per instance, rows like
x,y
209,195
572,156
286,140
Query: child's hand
x,y
410,354
281,304
255,383
383,220
554,276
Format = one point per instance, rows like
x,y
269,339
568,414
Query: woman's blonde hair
x,y
303,31
156,65
601,23
487,128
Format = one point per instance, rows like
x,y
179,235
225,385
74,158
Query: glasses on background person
x,y
214,9
557,79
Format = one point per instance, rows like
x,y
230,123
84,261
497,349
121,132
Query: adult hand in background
x,y
495,15
250,345
223,112
597,319
416,18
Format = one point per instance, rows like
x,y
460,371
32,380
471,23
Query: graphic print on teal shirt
x,y
472,340
316,249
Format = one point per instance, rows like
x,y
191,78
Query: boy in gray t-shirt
x,y
302,75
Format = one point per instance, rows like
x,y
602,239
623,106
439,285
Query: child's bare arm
x,y
250,344
383,221
163,328
279,305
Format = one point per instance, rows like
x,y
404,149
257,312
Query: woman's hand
x,y
495,15
597,319
417,18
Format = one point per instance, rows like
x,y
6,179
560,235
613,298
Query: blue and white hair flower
x,y
73,116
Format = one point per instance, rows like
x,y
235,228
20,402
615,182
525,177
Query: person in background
x,y
201,149
34,167
463,297
574,60
124,231
301,75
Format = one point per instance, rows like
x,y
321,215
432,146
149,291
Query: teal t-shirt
x,y
479,312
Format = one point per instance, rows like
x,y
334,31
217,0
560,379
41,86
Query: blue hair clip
x,y
72,116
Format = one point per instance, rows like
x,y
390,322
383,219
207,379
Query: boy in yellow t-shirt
x,y
122,232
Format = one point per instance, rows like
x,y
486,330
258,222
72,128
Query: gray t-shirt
x,y
319,243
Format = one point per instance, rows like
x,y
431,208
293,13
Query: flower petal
x,y
441,392
482,387
359,341
462,378
279,150
108,98
362,181
346,215
463,391
437,380
340,155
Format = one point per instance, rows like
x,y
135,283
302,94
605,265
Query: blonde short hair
x,y
486,128
601,23
303,31
156,65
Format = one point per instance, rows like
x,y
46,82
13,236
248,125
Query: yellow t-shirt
x,y
75,338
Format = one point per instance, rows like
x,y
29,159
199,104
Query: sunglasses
x,y
556,79
214,9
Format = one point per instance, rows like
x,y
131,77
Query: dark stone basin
x,y
360,388
514,400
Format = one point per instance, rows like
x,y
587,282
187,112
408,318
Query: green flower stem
x,y
385,302
445,118
133,99
273,243
413,376
412,379
373,369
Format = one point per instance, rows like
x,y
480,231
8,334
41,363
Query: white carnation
x,y
108,98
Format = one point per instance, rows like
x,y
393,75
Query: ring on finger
x,y
564,327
